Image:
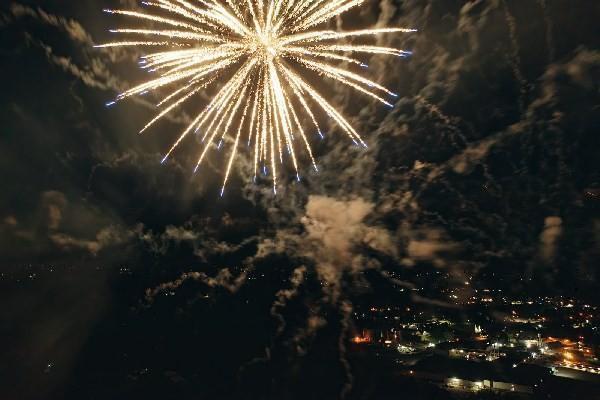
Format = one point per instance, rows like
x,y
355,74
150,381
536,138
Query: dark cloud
x,y
64,226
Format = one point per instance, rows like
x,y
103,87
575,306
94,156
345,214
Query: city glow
x,y
361,339
260,53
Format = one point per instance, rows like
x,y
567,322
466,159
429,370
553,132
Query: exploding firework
x,y
261,50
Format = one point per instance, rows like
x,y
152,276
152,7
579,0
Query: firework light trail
x,y
262,51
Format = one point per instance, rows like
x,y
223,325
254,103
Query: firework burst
x,y
261,50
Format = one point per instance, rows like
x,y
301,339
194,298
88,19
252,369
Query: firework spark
x,y
262,50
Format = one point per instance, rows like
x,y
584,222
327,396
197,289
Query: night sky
x,y
122,278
